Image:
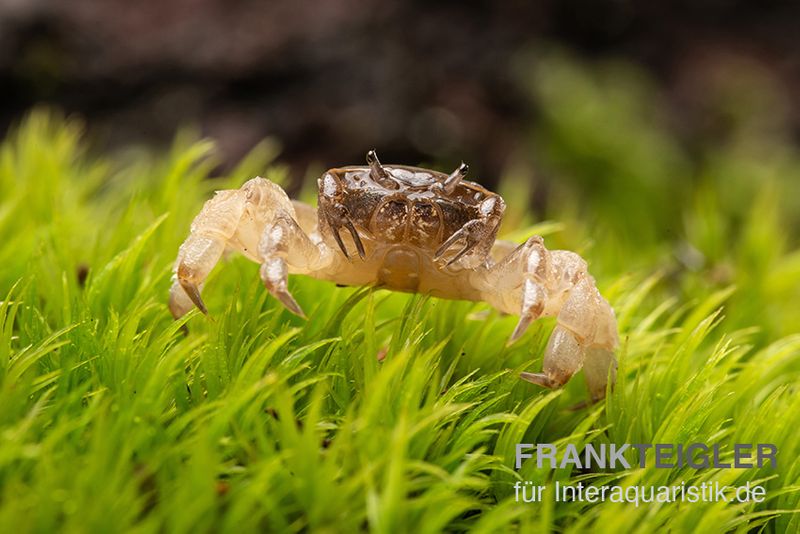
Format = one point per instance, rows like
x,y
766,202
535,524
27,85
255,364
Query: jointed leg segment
x,y
208,238
284,241
258,220
533,282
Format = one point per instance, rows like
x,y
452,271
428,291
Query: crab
x,y
407,229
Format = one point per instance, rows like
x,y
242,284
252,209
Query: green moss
x,y
112,419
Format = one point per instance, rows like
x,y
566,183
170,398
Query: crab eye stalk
x,y
377,172
455,178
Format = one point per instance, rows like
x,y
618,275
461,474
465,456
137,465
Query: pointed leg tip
x,y
522,327
299,312
193,293
201,305
538,379
290,303
529,377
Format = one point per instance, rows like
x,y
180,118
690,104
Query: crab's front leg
x,y
281,241
211,230
259,221
533,282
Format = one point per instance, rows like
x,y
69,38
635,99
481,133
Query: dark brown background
x,y
419,81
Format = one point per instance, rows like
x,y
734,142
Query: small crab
x,y
407,229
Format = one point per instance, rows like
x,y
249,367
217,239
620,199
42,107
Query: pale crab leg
x,y
534,282
585,336
282,243
534,258
514,283
208,238
256,220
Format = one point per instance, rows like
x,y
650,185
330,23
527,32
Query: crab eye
x,y
378,173
455,178
329,185
487,206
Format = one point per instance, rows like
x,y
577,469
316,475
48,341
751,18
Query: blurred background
x,y
419,81
665,134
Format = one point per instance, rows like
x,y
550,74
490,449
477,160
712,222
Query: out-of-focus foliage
x,y
111,418
722,212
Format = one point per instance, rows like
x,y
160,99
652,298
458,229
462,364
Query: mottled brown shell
x,y
409,205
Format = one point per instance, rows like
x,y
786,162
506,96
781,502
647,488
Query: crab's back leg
x,y
532,282
586,329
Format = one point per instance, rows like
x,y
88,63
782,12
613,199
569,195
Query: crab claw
x,y
338,218
471,234
565,355
539,379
